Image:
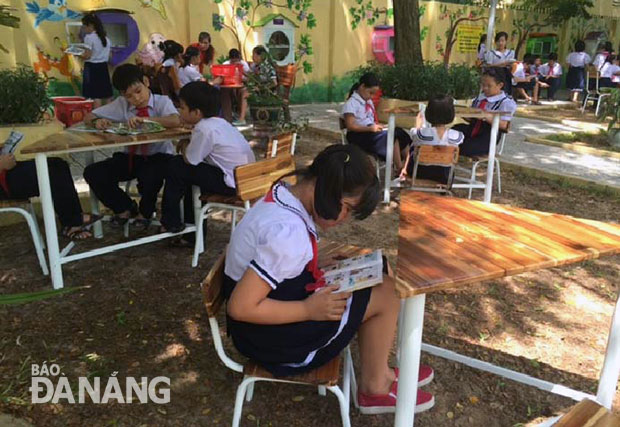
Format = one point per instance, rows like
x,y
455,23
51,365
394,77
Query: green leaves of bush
x,y
23,96
420,82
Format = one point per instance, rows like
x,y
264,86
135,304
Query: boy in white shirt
x,y
209,159
551,74
146,162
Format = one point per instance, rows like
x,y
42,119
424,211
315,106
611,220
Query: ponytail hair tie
x,y
346,160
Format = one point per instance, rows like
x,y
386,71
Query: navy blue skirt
x,y
96,81
576,79
375,143
295,348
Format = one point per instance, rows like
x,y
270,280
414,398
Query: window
x,y
118,34
279,45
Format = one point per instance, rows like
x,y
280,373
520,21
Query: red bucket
x,y
71,109
232,74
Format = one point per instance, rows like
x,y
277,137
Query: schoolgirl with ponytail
x,y
167,79
360,118
189,72
96,76
280,312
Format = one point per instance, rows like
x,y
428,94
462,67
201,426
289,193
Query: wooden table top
x,y
461,111
447,242
588,413
70,142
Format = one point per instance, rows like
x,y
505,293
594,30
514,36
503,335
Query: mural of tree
x,y
523,27
456,18
366,13
7,20
244,17
580,27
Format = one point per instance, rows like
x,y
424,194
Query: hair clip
x,y
347,159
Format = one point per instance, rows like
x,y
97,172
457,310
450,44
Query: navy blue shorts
x,y
375,143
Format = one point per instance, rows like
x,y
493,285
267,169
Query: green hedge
x,y
420,82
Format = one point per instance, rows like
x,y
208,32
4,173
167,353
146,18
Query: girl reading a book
x,y
280,311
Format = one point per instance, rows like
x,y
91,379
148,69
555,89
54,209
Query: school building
x,y
333,36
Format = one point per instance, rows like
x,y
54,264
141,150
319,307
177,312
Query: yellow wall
x,y
337,48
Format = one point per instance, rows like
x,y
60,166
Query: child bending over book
x,y
439,113
280,311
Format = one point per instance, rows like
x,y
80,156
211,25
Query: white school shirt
x,y
218,143
534,70
599,60
519,72
273,239
495,56
245,65
609,70
500,102
545,69
99,53
120,110
429,136
189,74
363,111
578,59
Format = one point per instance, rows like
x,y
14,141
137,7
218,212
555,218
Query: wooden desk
x,y
72,142
461,112
445,243
590,414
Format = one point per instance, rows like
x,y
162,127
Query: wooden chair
x,y
285,76
252,181
434,155
586,413
281,144
477,160
26,209
326,376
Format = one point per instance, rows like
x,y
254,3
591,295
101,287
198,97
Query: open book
x,y
12,142
147,126
353,274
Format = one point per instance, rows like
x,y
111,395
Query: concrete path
x,y
601,170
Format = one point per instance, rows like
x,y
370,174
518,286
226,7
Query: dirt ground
x,y
554,114
139,313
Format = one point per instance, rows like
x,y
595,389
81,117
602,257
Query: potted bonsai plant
x,y
611,110
24,104
266,104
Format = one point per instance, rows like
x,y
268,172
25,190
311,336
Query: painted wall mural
x,y
56,10
45,63
455,17
157,5
7,19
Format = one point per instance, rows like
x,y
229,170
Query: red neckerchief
x,y
313,265
141,112
478,125
4,183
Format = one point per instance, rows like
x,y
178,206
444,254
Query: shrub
x,y
23,96
420,82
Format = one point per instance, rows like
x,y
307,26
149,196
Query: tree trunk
x,y
407,46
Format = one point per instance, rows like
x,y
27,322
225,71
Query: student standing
x,y
577,62
502,58
147,162
96,77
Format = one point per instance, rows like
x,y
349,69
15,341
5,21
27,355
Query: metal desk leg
x,y
611,367
49,219
389,158
492,146
413,321
94,202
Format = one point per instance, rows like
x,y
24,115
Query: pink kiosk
x,y
383,44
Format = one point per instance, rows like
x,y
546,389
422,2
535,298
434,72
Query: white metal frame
x,y
389,158
58,258
471,182
595,95
31,218
246,387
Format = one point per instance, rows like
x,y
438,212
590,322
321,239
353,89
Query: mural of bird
x,y
56,10
158,5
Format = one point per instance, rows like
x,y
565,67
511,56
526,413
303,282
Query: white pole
x,y
413,321
491,27
611,366
488,189
49,219
389,158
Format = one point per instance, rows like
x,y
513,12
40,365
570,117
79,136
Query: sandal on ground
x,y
119,221
77,233
92,219
181,243
174,229
141,224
